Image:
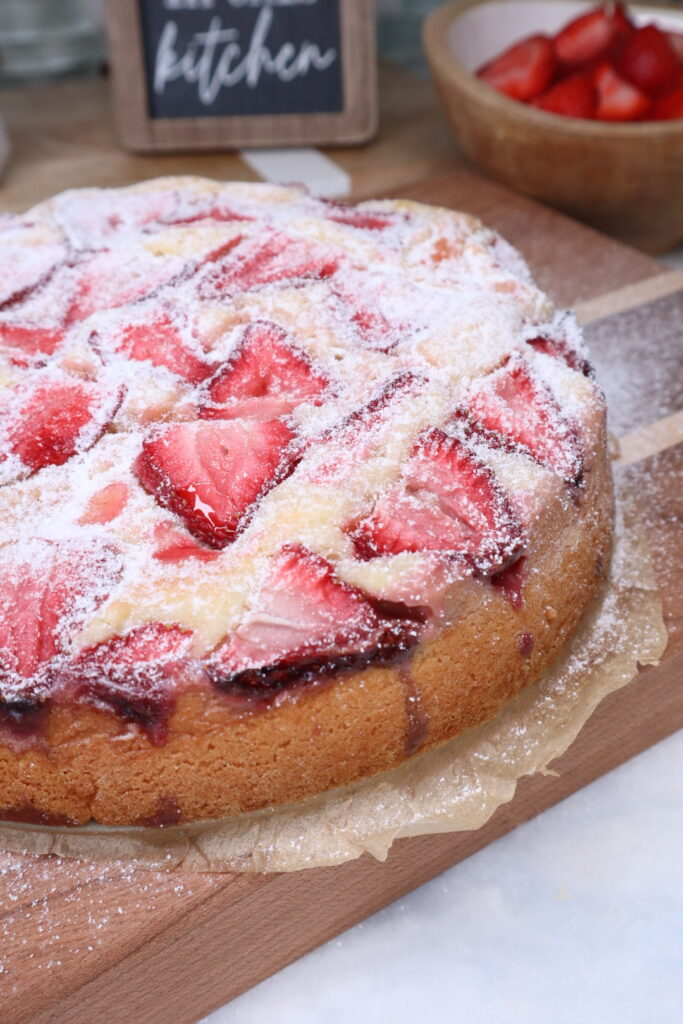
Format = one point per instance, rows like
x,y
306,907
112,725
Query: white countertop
x,y
574,918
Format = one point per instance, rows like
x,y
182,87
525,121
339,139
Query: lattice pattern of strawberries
x,y
248,437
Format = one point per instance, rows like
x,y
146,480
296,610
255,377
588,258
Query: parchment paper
x,y
453,788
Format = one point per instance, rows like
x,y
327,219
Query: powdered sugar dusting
x,y
254,368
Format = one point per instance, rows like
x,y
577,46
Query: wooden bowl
x,y
626,179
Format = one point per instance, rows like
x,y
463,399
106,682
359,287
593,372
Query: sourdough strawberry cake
x,y
290,491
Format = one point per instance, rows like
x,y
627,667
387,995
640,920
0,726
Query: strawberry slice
x,y
137,675
30,340
575,96
524,71
648,61
516,409
48,590
26,267
211,474
561,349
676,43
669,106
173,545
50,417
159,341
591,36
107,281
265,377
618,100
447,500
105,504
306,623
365,220
276,259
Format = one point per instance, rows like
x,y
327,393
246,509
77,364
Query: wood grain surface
x,y
81,943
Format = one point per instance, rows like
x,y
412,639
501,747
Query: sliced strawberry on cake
x,y
447,500
137,675
108,280
305,622
27,342
211,474
354,217
48,590
174,545
266,376
575,357
514,408
106,504
160,339
266,259
50,417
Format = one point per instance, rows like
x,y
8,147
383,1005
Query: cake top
x,y
247,436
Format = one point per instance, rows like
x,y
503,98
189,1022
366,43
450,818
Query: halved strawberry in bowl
x,y
48,418
446,500
669,106
305,623
618,99
575,96
524,71
648,61
212,473
513,407
265,377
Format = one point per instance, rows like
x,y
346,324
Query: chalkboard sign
x,y
217,74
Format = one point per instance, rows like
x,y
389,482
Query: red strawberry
x,y
265,377
669,106
561,349
516,407
648,61
211,473
30,339
524,71
447,500
618,100
592,35
159,341
358,434
173,545
275,259
366,220
136,674
575,96
107,280
306,622
48,590
48,418
105,504
676,44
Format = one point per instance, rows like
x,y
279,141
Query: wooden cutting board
x,y
82,943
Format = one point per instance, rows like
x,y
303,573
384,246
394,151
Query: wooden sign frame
x,y
139,131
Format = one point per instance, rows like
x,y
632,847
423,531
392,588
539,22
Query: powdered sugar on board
x,y
198,377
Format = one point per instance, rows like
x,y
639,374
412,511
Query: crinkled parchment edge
x,y
456,787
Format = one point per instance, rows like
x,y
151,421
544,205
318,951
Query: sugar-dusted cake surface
x,y
289,491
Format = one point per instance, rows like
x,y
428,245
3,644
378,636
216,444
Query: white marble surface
x,y
576,916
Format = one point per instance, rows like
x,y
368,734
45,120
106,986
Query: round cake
x,y
290,491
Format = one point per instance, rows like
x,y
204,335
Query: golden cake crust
x,y
225,753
